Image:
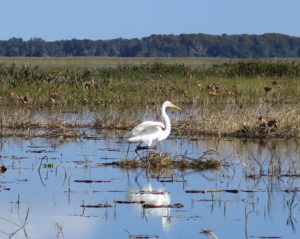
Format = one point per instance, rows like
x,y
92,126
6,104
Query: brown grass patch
x,y
162,161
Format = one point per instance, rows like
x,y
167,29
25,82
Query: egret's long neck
x,y
167,121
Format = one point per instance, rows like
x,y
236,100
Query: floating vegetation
x,y
96,205
277,175
148,192
160,161
140,236
151,205
13,157
2,169
213,191
129,164
292,190
129,202
40,151
49,165
270,237
171,181
110,191
92,181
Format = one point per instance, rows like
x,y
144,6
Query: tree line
x,y
184,45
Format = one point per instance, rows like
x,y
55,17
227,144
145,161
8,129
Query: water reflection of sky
x,y
53,198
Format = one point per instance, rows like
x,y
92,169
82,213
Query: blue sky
x,y
109,19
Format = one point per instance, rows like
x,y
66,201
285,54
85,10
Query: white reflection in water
x,y
156,197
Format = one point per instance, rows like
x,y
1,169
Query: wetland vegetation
x,y
64,152
219,97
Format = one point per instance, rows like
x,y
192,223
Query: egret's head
x,y
169,104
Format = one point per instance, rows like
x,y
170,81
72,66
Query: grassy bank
x,y
225,82
219,97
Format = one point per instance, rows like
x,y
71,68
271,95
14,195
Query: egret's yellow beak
x,y
175,106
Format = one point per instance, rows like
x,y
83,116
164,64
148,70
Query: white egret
x,y
152,130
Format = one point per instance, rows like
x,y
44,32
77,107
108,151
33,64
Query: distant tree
x,y
184,45
2,48
15,47
36,47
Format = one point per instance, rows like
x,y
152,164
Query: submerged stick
x,y
150,205
96,206
129,202
213,191
92,181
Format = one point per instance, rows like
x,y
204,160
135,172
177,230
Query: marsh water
x,y
254,195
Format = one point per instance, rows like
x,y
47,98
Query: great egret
x,y
152,130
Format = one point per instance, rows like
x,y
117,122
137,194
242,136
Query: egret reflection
x,y
156,197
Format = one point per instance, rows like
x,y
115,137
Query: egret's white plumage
x,y
152,130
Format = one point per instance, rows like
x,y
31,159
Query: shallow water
x,y
41,176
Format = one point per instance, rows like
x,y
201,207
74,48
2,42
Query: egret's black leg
x,y
127,151
142,147
136,151
148,148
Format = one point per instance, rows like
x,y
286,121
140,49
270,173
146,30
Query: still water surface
x,y
41,178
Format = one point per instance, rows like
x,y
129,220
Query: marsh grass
x,y
194,121
219,97
28,123
241,121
